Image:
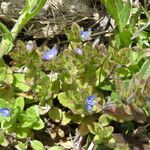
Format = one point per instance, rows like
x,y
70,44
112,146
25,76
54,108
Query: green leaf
x,y
125,13
22,132
55,114
104,120
32,112
112,8
37,145
75,118
114,97
111,143
119,10
38,125
32,119
65,101
3,103
6,42
19,103
83,129
21,146
5,46
3,71
3,141
65,119
29,117
98,139
125,38
20,82
74,34
9,78
123,72
145,69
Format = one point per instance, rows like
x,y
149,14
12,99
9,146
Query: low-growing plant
x,y
83,85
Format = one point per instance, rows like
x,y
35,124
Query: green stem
x,y
25,17
7,44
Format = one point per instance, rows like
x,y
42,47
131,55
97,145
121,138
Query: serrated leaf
x,y
65,101
3,74
125,38
125,13
19,103
32,112
22,132
145,69
3,103
104,120
74,34
111,8
31,118
37,145
20,82
119,10
5,46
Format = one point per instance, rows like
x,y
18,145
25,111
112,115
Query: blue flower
x,y
91,98
5,112
78,51
85,35
50,54
90,103
89,108
30,46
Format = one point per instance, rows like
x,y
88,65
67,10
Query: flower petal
x,y
30,46
85,35
91,98
5,112
88,107
50,54
78,51
91,103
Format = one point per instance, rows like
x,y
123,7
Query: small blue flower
x,y
90,103
85,35
30,46
50,54
78,51
89,108
92,97
5,112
